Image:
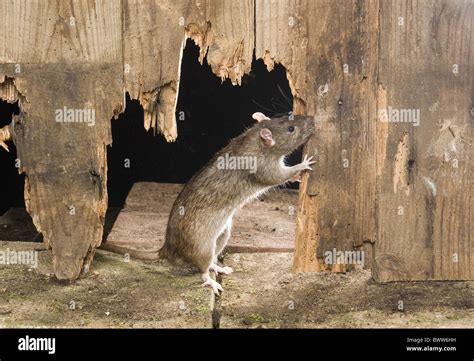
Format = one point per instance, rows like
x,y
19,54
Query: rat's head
x,y
284,134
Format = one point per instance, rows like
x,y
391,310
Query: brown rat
x,y
200,221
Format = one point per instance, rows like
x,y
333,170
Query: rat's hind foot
x,y
216,287
208,281
217,269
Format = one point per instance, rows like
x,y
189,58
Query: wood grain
x,y
328,49
28,31
425,190
74,66
155,32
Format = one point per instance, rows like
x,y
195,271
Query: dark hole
x,y
15,222
213,112
11,183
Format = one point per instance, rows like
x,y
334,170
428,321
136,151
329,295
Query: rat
x,y
200,221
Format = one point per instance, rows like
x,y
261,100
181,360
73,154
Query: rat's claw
x,y
217,269
226,270
307,161
216,287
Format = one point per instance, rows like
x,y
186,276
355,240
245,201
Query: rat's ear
x,y
267,137
259,116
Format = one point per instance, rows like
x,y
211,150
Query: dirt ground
x,y
119,291
262,292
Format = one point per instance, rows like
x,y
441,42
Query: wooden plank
x,y
28,32
153,42
328,49
425,204
155,32
75,67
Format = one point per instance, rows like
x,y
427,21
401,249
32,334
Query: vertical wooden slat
x,y
77,64
328,50
425,191
155,32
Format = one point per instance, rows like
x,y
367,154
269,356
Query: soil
x,y
262,292
118,291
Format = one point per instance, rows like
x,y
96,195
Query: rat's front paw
x,y
296,178
306,163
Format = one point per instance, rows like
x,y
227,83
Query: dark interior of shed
x,y
214,113
11,183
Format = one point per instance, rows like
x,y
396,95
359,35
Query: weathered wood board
x,y
60,54
425,204
407,189
329,50
155,32
346,62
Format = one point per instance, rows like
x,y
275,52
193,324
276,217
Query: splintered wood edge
x,y
5,135
230,59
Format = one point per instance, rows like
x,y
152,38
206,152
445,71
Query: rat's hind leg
x,y
223,238
220,245
204,260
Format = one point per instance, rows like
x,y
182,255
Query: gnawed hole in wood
x,y
145,170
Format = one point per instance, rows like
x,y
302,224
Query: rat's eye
x,y
291,129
